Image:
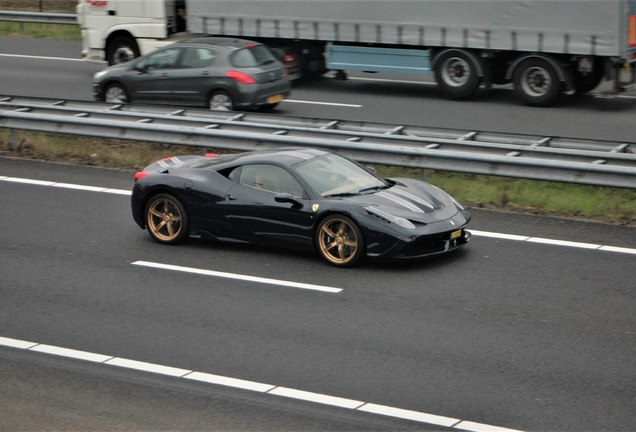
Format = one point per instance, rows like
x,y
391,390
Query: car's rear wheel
x,y
340,241
166,219
221,101
115,93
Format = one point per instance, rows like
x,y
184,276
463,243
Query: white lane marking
x,y
66,185
229,382
322,103
66,352
148,367
15,343
417,416
480,427
554,242
617,249
410,415
316,397
238,276
41,57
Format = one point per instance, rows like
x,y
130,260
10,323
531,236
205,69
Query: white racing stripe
x,y
477,233
238,277
306,396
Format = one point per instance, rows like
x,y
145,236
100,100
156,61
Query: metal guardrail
x,y
593,162
38,17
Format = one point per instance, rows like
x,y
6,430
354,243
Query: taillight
x,y
288,58
140,175
241,77
632,30
211,155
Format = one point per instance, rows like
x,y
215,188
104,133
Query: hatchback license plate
x,y
456,234
275,98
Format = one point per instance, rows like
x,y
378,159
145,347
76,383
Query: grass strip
x,y
538,197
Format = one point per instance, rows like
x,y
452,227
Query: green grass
x,y
35,30
538,197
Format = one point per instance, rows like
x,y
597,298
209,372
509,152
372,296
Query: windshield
x,y
332,175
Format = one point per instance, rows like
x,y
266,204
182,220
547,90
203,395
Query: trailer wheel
x,y
537,82
456,74
121,49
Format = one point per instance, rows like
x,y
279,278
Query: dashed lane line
x,y
502,236
247,278
303,395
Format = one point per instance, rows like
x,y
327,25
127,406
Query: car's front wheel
x,y
115,93
166,219
221,101
340,241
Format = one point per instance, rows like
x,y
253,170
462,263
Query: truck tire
x,y
456,74
537,82
121,49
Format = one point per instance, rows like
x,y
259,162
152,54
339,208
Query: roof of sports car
x,y
285,155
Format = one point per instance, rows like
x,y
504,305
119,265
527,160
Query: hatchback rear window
x,y
256,55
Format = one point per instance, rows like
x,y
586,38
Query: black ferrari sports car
x,y
300,198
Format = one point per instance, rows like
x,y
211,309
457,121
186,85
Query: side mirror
x,y
288,198
141,67
372,169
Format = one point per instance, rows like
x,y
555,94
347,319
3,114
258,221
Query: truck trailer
x,y
543,47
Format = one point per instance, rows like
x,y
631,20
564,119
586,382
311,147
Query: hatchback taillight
x,y
241,77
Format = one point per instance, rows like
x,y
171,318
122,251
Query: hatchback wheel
x,y
221,101
115,93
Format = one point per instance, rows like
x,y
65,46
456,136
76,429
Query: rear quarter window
x,y
254,56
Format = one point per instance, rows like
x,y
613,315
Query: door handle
x,y
206,73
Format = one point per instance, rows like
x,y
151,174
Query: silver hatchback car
x,y
219,73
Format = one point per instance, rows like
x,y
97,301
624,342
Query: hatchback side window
x,y
165,59
197,58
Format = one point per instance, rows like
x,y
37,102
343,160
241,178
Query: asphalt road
x,y
517,334
411,100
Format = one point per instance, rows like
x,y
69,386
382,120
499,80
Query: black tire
x,y
537,82
456,74
339,240
121,49
268,107
116,93
220,101
166,219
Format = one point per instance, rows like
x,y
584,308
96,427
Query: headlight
x,y
99,74
404,223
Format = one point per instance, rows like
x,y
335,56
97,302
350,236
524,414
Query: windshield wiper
x,y
342,194
374,188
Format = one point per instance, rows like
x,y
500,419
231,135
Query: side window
x,y
165,59
268,178
197,58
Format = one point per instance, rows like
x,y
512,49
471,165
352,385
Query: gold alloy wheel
x,y
339,241
164,219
